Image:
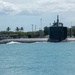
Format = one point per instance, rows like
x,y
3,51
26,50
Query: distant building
x,y
57,32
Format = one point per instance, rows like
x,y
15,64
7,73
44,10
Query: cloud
x,y
47,6
37,7
56,5
8,8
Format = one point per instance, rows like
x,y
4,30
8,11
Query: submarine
x,y
57,32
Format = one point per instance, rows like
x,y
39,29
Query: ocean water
x,y
43,58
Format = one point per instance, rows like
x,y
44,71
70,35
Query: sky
x,y
24,13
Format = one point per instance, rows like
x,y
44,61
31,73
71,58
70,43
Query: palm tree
x,y
8,29
17,29
21,28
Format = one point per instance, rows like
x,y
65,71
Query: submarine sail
x,y
57,32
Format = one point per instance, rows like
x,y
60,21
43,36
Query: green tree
x,y
73,30
17,29
8,29
46,30
29,34
22,29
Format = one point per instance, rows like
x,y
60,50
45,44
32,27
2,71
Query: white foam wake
x,y
12,42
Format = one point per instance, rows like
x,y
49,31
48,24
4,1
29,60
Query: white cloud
x,y
37,7
8,8
56,5
46,6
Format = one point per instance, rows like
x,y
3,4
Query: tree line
x,y
19,33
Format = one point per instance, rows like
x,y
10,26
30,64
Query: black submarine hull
x,y
57,34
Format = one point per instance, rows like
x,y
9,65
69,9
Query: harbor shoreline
x,y
31,40
24,40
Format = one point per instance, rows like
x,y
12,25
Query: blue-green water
x,y
37,59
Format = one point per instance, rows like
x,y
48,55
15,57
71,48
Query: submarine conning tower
x,y
57,32
57,24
